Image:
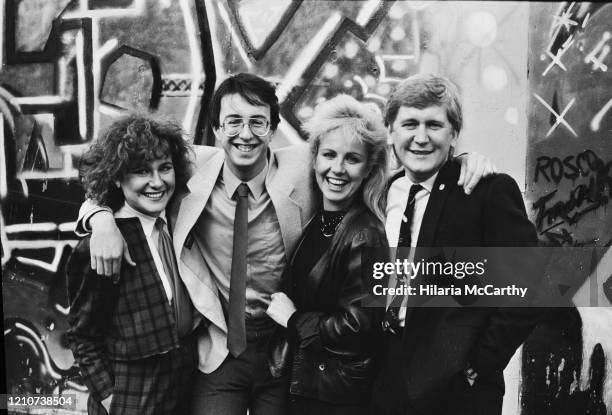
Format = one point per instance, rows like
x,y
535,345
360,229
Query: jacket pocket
x,y
361,369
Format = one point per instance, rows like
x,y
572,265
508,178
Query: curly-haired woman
x,y
132,339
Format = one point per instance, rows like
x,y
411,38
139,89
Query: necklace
x,y
330,221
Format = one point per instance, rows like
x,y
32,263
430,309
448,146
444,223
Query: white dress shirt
x,y
397,198
152,235
214,233
396,205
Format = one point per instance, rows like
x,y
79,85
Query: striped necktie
x,y
391,322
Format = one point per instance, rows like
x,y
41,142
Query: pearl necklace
x,y
330,220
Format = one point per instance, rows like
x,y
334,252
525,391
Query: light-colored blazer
x,y
289,184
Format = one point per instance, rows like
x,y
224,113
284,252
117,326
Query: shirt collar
x,y
427,184
256,184
147,222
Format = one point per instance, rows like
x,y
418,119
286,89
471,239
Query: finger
x,y
108,267
470,168
100,267
116,269
127,256
475,177
489,168
493,167
462,173
93,263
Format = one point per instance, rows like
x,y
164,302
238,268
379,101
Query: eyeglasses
x,y
232,126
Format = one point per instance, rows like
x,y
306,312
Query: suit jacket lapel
x,y
192,204
286,207
186,213
439,193
435,205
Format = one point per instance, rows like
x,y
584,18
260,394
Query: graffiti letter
x,y
602,49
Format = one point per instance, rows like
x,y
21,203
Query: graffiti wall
x,y
536,95
569,184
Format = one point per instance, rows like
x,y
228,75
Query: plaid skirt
x,y
157,385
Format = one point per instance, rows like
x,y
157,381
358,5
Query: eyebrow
x,y
350,153
353,153
263,117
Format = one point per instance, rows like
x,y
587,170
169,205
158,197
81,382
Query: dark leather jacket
x,y
332,338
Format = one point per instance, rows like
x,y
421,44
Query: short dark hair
x,y
422,91
255,90
126,143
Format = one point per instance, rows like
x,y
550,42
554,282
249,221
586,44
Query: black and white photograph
x,y
306,207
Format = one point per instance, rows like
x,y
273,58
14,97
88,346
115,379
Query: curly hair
x,y
364,123
127,143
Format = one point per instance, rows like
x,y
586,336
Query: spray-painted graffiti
x,y
594,192
569,188
69,67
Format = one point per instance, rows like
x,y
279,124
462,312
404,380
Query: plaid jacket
x,y
128,321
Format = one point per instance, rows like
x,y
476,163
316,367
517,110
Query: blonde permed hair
x,y
365,124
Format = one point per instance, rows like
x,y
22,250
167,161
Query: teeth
x,y
155,195
245,147
337,182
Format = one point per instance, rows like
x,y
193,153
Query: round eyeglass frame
x,y
242,120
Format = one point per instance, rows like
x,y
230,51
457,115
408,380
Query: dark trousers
x,y
242,383
304,406
484,397
388,396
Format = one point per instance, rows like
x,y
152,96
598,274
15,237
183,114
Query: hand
x,y
107,246
281,308
474,167
106,403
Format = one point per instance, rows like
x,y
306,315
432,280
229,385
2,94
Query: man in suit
x,y
445,360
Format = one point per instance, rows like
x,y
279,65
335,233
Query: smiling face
x,y
341,165
148,187
422,139
245,153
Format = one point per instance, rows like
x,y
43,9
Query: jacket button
x,y
321,366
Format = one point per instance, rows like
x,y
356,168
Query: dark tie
x,y
405,237
236,336
391,321
181,303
